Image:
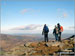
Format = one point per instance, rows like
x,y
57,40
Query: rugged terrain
x,y
30,47
8,42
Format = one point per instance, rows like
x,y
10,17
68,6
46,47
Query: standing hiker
x,y
55,33
45,33
60,30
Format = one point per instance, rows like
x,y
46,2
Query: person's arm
x,y
53,31
48,29
43,31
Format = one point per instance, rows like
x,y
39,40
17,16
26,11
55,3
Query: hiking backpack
x,y
61,28
46,30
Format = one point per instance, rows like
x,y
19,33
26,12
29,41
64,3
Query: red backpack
x,y
61,28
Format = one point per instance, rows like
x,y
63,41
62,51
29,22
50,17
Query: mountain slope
x,y
42,48
10,41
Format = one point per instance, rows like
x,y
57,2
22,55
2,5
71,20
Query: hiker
x,y
55,33
60,30
45,33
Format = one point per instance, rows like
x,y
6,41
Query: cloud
x,y
72,27
69,28
29,27
62,13
65,15
37,28
32,28
30,11
24,11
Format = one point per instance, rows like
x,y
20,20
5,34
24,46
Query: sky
x,y
34,14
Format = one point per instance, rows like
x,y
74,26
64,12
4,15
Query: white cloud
x,y
40,27
65,15
62,13
36,28
69,28
30,11
29,27
72,27
24,11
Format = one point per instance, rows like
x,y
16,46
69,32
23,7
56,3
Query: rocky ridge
x,y
42,48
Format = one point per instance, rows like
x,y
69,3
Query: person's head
x,y
44,24
55,26
58,24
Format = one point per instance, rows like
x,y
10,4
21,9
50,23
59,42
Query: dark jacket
x,y
55,31
45,32
59,29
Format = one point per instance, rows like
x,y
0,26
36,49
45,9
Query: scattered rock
x,y
56,43
52,44
32,52
43,48
48,44
27,44
34,44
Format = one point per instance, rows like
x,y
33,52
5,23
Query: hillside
x,y
42,48
8,42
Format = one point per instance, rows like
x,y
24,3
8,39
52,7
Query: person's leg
x,y
45,37
60,36
56,37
